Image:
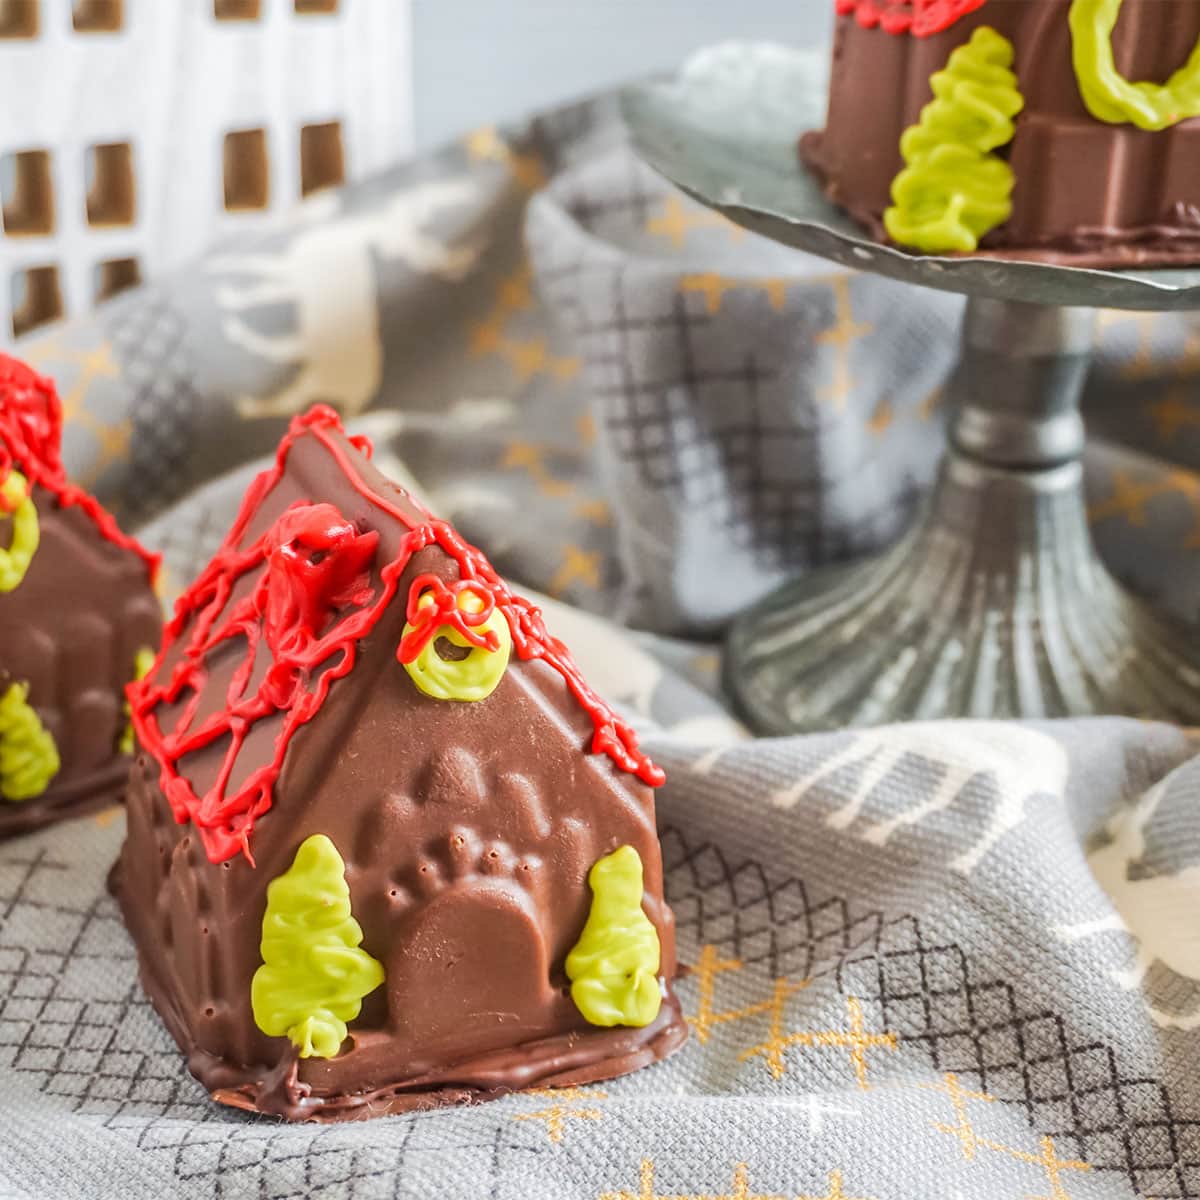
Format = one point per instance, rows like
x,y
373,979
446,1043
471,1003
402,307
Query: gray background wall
x,y
490,60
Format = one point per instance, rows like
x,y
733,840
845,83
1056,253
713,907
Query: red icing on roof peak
x,y
31,441
921,18
312,601
318,563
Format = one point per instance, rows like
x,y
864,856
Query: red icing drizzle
x,y
921,18
31,440
427,619
311,604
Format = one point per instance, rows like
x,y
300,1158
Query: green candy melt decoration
x,y
474,677
953,190
142,662
314,976
1108,95
28,756
15,498
613,968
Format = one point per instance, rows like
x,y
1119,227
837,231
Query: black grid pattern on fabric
x,y
560,134
928,992
108,1056
85,1046
190,540
622,212
149,336
655,427
247,1156
716,459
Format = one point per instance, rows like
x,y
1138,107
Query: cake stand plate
x,y
995,604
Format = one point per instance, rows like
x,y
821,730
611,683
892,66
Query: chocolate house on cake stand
x,y
995,604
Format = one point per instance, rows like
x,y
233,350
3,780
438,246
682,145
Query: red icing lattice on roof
x,y
311,568
31,441
921,18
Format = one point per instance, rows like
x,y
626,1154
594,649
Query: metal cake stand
x,y
995,604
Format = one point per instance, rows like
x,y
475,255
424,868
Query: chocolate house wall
x,y
467,830
1078,180
71,630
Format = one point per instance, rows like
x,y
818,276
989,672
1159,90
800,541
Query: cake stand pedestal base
x,y
996,604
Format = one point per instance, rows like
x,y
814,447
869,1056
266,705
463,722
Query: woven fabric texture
x,y
949,959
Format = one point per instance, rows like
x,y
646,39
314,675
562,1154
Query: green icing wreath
x,y
474,677
1108,95
17,499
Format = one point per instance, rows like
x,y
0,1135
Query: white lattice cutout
x,y
133,133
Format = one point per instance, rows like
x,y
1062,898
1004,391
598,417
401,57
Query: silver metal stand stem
x,y
995,604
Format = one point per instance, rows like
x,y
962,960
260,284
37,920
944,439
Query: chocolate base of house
x,y
87,793
567,1060
376,1073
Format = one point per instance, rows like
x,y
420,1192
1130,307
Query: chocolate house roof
x,y
278,617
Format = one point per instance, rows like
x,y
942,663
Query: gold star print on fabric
x,y
578,566
494,335
531,458
1129,498
739,1189
677,221
970,1142
709,967
112,438
714,288
1140,363
1173,413
1143,363
487,145
931,403
565,1108
595,512
882,418
841,335
855,1038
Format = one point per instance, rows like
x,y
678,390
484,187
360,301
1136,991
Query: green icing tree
x,y
28,756
614,966
314,976
952,189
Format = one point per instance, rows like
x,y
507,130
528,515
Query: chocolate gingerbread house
x,y
1074,125
78,613
386,848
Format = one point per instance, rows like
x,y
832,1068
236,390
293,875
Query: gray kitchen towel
x,y
936,960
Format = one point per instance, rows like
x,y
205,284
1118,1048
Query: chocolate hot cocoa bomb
x,y
386,848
